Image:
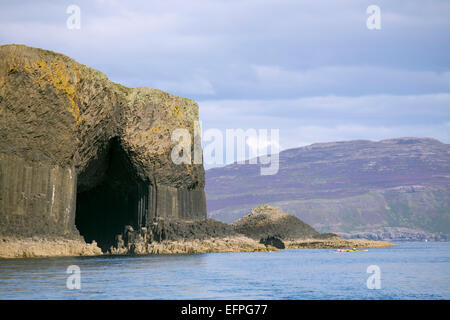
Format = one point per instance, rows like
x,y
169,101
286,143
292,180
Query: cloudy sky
x,y
310,68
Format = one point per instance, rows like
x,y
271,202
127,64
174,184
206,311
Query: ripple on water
x,y
408,271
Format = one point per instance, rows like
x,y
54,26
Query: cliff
x,y
80,154
274,227
346,187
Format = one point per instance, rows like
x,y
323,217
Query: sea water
x,y
410,270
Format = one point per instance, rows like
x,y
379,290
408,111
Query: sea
x,y
409,270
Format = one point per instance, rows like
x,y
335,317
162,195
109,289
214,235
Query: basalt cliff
x,y
81,155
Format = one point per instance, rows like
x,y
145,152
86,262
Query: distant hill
x,y
350,186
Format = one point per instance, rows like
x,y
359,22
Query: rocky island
x,y
85,169
273,226
265,228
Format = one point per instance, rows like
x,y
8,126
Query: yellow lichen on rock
x,y
62,78
58,73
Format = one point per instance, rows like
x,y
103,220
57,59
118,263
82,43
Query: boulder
x,y
273,241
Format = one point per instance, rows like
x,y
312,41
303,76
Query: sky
x,y
312,69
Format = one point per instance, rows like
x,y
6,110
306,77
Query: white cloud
x,y
303,121
341,78
251,49
340,108
262,145
309,68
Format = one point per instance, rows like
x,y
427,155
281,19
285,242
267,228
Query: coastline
x,y
35,247
40,247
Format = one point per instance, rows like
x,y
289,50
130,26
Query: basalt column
x,y
36,199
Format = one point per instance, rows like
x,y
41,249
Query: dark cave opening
x,y
116,198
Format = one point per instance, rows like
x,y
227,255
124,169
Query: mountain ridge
x,y
371,178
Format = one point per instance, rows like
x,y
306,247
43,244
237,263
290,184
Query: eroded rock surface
x,y
81,153
170,236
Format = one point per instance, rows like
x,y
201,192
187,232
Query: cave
x,y
110,196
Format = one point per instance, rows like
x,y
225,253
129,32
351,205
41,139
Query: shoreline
x,y
39,247
336,243
15,248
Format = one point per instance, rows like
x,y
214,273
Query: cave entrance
x,y
110,195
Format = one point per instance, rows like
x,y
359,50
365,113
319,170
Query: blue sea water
x,y
410,270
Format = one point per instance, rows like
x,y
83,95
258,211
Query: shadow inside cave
x,y
110,195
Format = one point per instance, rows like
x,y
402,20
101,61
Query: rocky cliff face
x,y
352,186
79,152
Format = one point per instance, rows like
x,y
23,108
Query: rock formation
x,y
80,154
169,236
273,241
275,228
